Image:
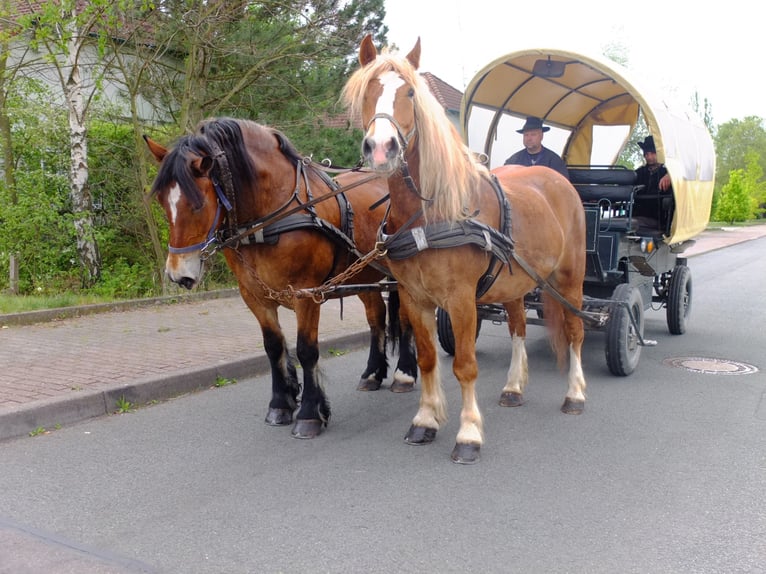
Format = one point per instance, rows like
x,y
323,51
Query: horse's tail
x,y
394,328
553,314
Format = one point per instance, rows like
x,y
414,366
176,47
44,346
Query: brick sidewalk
x,y
81,364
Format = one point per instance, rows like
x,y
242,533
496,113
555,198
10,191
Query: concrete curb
x,y
50,414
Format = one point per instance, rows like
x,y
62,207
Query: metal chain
x,y
318,293
287,296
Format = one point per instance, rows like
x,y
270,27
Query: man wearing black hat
x,y
656,199
534,153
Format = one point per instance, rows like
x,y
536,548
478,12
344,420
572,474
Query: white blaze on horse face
x,y
174,196
182,268
384,135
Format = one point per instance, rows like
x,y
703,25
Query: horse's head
x,y
185,190
383,92
404,120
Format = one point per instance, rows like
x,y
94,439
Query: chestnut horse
x,y
242,187
457,233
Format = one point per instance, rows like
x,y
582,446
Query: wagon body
x,y
593,107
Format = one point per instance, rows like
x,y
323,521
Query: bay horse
x,y
457,234
231,186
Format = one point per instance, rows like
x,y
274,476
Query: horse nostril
x,y
393,148
186,282
366,147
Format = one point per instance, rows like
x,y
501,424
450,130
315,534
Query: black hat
x,y
648,145
533,123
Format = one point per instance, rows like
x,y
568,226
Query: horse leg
x,y
284,381
432,412
567,334
518,372
314,411
377,365
574,402
462,312
400,333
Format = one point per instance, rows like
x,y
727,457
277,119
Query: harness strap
x,y
446,234
408,241
224,171
270,235
496,265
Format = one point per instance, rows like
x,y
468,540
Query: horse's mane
x,y
211,136
448,173
175,168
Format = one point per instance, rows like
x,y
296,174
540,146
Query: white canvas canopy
x,y
577,94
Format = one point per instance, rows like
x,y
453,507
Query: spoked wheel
x,y
444,330
679,299
622,335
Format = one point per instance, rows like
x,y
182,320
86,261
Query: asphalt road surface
x,y
664,472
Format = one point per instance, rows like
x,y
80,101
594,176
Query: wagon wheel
x,y
679,299
445,333
622,337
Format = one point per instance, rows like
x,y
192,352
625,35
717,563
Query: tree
x,y
280,62
64,28
733,141
736,202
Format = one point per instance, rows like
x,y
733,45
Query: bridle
x,y
209,246
233,236
404,141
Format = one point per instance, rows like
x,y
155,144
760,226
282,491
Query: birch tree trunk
x,y
79,190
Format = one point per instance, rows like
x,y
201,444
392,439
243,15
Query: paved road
x,y
63,371
664,472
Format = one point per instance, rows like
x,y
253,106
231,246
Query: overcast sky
x,y
680,46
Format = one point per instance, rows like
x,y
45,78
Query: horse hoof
x,y
402,386
572,407
371,384
467,453
511,399
307,428
279,417
420,435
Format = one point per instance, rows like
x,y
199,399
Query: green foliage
x,y
40,233
340,146
123,405
25,303
733,141
736,202
223,381
281,63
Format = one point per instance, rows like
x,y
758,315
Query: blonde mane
x,y
448,173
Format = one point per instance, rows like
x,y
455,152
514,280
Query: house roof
x,y
448,96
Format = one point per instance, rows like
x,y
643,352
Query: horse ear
x,y
367,51
159,152
414,56
201,166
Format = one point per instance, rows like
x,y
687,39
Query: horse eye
x,y
411,93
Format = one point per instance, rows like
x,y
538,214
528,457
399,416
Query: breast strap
x,y
447,234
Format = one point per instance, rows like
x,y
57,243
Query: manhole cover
x,y
709,366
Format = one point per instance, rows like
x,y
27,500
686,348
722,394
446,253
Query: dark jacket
x,y
651,179
545,157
